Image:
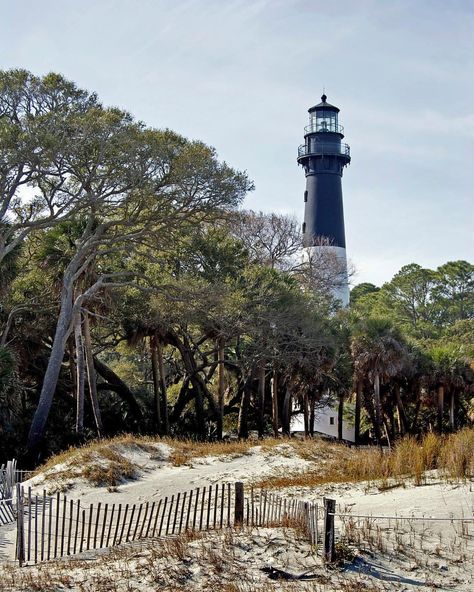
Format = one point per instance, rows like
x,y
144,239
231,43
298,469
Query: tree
x,y
378,354
32,136
451,373
136,186
409,295
362,290
272,240
454,291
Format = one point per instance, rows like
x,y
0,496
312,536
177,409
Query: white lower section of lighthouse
x,y
328,264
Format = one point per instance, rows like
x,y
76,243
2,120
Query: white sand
x,y
395,555
158,478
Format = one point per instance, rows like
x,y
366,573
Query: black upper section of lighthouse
x,y
323,157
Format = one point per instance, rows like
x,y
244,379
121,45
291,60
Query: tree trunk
x,y
440,408
242,426
340,416
306,415
63,328
275,403
312,415
261,401
358,406
452,410
286,413
91,377
156,382
221,387
413,425
378,410
387,433
402,417
116,384
72,366
80,373
164,393
199,387
185,396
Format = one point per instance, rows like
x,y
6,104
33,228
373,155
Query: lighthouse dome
x,y
324,106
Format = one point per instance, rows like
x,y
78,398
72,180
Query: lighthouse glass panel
x,y
325,121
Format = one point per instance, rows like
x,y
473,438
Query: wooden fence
x,y
8,479
52,527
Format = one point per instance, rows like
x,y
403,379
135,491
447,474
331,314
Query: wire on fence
x,y
423,518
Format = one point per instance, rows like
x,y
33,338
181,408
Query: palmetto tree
x,y
451,372
378,354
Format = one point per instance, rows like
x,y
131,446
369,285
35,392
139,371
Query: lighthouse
x,y
323,157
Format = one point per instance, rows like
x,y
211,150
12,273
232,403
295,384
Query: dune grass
x,y
107,462
452,455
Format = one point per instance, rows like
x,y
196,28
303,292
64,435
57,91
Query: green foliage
x,y
362,290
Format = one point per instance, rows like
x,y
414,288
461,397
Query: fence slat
x,y
63,525
83,525
71,510
216,496
202,507
134,536
188,514
163,516
156,518
104,522
222,504
182,513
176,513
209,507
144,520
169,514
111,521
127,538
36,528
150,518
117,526
89,527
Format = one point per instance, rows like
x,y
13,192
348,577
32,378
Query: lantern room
x,y
324,118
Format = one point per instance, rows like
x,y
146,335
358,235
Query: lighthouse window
x,y
326,121
305,197
331,421
304,227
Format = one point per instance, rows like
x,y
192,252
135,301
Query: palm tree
x,y
450,375
378,354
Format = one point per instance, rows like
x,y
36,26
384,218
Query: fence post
x,y
307,522
239,504
329,551
20,528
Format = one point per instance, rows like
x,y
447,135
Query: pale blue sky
x,y
241,74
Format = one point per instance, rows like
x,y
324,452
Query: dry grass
x,y
100,462
452,455
183,451
104,463
456,455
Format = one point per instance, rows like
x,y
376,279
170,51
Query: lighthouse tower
x,y
323,157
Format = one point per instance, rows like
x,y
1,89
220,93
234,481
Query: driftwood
x,y
278,574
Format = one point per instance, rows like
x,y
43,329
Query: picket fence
x,y
49,527
9,477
